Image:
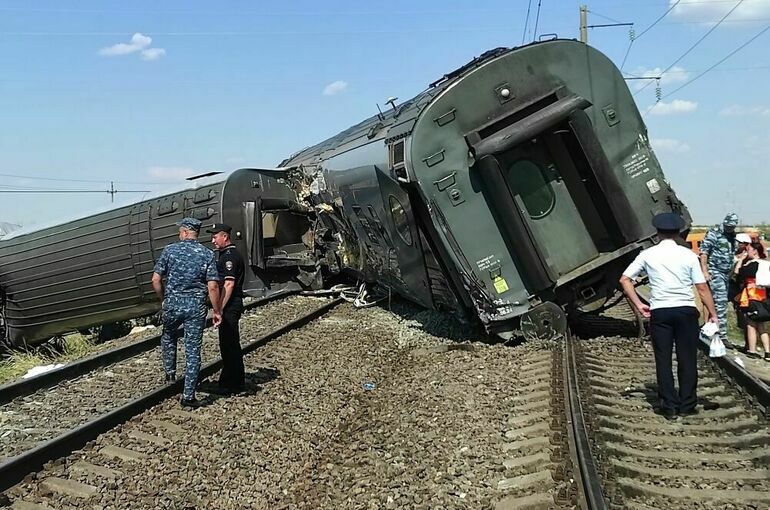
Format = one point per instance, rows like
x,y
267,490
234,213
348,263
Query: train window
x,y
400,220
397,153
527,180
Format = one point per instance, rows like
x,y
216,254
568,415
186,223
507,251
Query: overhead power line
x,y
635,37
736,50
537,19
111,191
74,191
526,22
98,181
694,45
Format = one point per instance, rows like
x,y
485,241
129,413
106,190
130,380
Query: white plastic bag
x,y
709,329
716,347
763,273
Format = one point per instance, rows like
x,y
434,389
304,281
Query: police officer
x,y
672,270
230,267
190,270
717,252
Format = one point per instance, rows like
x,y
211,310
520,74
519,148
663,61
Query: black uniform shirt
x,y
230,266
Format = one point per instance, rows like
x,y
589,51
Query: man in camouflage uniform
x,y
189,269
716,259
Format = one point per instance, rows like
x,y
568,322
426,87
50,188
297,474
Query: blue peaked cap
x,y
668,221
190,223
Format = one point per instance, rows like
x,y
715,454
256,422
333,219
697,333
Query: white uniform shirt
x,y
672,270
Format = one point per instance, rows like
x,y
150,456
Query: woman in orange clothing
x,y
746,271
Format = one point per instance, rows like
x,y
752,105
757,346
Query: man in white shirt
x,y
672,270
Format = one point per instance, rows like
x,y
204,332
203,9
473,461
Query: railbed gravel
x,y
40,416
358,409
719,458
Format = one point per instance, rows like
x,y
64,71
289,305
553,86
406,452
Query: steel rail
x,y
586,474
755,387
83,366
16,468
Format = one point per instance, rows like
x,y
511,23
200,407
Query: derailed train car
x,y
97,269
514,188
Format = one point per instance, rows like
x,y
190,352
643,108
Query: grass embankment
x,y
734,333
17,363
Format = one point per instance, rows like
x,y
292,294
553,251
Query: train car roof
x,y
396,122
197,183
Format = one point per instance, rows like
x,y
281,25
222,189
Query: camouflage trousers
x,y
718,286
190,313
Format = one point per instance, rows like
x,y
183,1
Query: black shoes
x,y
753,355
668,414
217,389
689,412
170,378
192,403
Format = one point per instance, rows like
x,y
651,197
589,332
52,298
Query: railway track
x,y
52,422
370,409
102,358
719,458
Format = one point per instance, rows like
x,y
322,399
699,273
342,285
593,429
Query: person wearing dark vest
x,y
232,379
673,270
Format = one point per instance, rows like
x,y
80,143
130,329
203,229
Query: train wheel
x,y
546,321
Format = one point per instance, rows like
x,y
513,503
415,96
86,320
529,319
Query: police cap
x,y
668,221
190,224
218,227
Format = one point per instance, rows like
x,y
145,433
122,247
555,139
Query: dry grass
x,y
19,362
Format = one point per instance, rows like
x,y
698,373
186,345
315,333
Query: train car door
x,y
405,240
533,176
142,256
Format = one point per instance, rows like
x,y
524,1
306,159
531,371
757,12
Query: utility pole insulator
x,y
584,24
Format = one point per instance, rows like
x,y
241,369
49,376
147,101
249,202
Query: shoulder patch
x,y
229,265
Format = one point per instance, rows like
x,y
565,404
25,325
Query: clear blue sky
x,y
145,92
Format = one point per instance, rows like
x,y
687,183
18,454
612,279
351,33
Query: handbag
x,y
758,311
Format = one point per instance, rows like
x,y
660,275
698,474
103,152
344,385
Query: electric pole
x,y
584,26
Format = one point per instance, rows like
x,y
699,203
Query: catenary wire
x,y
99,181
736,50
694,45
537,20
526,22
631,42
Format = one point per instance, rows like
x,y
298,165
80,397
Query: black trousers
x,y
676,326
232,376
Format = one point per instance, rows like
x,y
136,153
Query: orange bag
x,y
751,293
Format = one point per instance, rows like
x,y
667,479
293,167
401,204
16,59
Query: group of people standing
x,y
730,262
191,273
673,270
